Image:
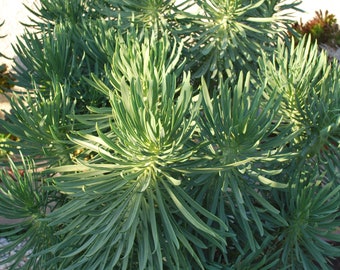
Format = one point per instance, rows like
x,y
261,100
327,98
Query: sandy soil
x,y
12,13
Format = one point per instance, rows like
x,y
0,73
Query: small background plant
x,y
323,27
6,78
6,82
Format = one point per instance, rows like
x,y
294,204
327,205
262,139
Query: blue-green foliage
x,y
169,139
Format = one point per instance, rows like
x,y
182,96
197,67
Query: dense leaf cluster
x,y
172,135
